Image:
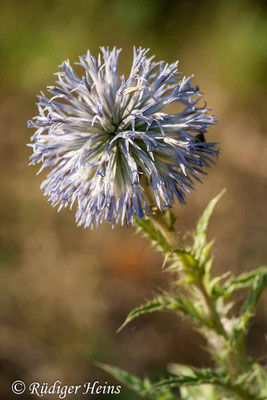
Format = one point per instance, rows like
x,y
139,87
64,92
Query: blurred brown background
x,y
64,291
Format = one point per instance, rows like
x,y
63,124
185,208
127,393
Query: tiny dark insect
x,y
200,138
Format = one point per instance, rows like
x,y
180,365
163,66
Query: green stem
x,y
232,361
220,341
167,232
211,310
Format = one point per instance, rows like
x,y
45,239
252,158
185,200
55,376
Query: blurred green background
x,y
65,291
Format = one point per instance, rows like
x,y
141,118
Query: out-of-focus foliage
x,y
35,35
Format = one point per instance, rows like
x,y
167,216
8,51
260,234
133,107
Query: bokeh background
x,y
64,291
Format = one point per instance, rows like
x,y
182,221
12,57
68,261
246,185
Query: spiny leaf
x,y
131,381
190,266
255,292
240,325
159,303
196,378
198,392
167,302
242,281
141,386
204,257
200,235
154,234
215,287
211,377
187,260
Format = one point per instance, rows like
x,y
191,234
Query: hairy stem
x,y
232,360
166,230
219,340
211,310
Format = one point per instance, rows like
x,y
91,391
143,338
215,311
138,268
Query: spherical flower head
x,y
107,139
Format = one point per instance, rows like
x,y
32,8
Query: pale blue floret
x,y
102,136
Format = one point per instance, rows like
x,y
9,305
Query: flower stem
x,y
225,355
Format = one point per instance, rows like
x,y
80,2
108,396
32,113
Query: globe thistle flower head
x,y
105,138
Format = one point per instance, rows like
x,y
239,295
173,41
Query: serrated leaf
x,y
214,285
204,257
167,302
200,235
203,377
258,286
197,378
159,303
240,324
141,386
131,381
188,262
243,281
154,234
199,392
